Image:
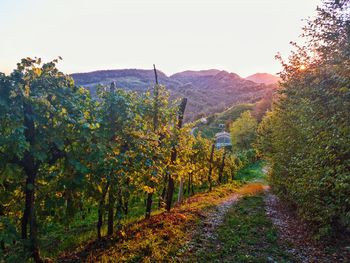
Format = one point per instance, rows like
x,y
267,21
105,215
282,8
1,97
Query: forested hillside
x,y
208,91
218,122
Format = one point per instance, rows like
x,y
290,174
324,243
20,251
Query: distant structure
x,y
204,120
222,139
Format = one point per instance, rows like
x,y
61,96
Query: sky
x,y
241,36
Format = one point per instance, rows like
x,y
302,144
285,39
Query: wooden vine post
x,y
111,181
155,129
222,166
171,184
211,166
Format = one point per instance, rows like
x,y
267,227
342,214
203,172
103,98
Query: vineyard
x,y
67,159
102,173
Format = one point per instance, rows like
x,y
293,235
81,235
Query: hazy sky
x,y
240,36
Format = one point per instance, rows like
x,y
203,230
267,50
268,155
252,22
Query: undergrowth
x,y
156,239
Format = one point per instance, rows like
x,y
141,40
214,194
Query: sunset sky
x,y
233,35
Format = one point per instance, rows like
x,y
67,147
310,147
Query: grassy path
x,y
214,218
246,235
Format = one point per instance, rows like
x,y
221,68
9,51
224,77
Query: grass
x,y
252,172
59,237
247,235
56,238
138,237
155,240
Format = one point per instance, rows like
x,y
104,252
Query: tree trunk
x,y
31,168
171,184
170,193
163,194
149,205
28,164
119,210
29,217
181,190
110,218
126,205
27,207
190,184
162,197
187,190
126,197
221,171
211,166
100,211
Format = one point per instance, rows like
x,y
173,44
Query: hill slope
x,y
264,78
208,91
213,122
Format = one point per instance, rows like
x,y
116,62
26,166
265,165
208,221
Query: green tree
x,y
40,111
306,137
243,131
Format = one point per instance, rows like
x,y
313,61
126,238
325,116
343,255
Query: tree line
x,y
306,137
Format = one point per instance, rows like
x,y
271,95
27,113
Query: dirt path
x,y
293,239
214,218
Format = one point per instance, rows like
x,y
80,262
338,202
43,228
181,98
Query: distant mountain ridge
x,y
264,78
208,91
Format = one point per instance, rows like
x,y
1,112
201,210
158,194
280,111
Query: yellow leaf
x,y
37,71
148,189
86,115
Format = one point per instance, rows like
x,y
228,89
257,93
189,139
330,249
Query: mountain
x,y
132,79
264,78
208,91
190,76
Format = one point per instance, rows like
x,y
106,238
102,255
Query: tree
x,y
38,110
262,106
306,137
116,113
243,131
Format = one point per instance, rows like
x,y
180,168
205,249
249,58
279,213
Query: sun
x,y
302,67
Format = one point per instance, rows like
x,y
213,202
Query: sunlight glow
x,y
238,36
302,67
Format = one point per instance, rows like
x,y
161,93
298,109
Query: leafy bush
x,y
243,131
307,135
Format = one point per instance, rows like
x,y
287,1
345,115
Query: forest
x,y
80,174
